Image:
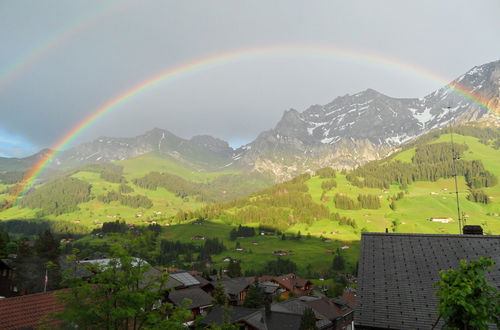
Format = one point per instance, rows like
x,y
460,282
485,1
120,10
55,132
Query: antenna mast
x,y
454,157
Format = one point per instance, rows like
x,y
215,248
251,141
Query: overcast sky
x,y
61,60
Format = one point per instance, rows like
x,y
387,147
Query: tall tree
x,y
234,268
122,295
47,246
308,320
255,297
467,301
219,295
338,263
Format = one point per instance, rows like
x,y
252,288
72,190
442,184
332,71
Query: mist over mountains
x,y
345,133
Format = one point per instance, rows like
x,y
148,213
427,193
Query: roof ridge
x,y
31,295
431,235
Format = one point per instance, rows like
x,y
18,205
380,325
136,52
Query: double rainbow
x,y
218,60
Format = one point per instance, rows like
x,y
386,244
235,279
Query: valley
x,y
305,206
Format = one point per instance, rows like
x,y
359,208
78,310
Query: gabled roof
x,y
27,312
234,314
289,281
233,286
297,306
198,297
256,318
397,273
328,310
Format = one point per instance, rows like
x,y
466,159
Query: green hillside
x,y
418,200
164,203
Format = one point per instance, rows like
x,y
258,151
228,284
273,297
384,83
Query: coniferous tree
x,y
219,296
234,268
255,297
308,320
338,263
47,246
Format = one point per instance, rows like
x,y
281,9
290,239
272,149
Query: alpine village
x,y
367,212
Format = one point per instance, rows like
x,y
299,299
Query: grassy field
x,y
258,250
141,165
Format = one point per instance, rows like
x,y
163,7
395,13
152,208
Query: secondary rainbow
x,y
50,44
221,59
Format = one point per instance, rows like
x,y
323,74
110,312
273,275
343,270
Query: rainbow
x,y
218,60
47,46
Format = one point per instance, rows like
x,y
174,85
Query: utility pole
x,y
454,158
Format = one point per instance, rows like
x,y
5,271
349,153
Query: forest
x,y
57,197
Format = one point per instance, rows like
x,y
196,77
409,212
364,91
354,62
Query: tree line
x,y
430,163
134,201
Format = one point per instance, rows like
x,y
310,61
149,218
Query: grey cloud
x,y
236,101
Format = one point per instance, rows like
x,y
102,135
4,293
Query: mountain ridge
x,y
344,133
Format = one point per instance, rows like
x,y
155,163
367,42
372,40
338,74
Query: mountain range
x,y
345,133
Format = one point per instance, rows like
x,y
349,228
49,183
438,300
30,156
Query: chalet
x,y
198,237
252,319
280,252
288,283
397,273
200,301
334,313
66,240
269,287
236,288
441,219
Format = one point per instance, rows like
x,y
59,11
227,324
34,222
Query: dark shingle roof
x,y
282,321
233,286
234,314
256,318
198,297
325,309
397,273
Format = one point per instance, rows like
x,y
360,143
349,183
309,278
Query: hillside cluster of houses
x,y
395,288
298,294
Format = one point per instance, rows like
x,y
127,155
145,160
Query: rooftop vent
x,y
472,230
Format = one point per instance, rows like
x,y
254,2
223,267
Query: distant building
x,y
441,219
236,289
200,301
290,283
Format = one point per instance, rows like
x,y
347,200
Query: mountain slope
x,y
354,129
370,198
